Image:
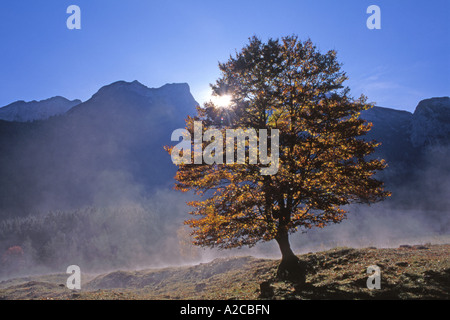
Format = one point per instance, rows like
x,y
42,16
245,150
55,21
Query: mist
x,y
136,232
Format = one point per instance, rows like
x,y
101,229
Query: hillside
x,y
407,272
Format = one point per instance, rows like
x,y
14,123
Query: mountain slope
x,y
402,131
415,146
391,128
431,122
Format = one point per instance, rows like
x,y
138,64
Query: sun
x,y
223,101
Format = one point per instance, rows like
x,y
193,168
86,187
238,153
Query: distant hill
x,y
22,111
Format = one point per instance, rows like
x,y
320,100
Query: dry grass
x,y
409,272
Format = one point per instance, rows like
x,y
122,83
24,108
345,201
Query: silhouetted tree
x,y
287,85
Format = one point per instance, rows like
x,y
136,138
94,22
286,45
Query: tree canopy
x,y
324,161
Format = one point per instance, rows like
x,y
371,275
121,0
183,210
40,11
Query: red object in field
x,y
13,254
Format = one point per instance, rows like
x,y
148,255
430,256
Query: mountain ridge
x,y
23,111
27,111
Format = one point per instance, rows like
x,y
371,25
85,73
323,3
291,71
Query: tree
x,y
324,161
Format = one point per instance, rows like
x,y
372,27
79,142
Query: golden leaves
x,y
290,86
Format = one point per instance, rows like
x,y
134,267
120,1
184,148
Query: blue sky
x,y
158,42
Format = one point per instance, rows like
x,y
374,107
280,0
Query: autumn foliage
x,y
288,85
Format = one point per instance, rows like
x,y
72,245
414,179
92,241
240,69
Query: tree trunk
x,y
290,268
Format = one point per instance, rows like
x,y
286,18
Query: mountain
x,y
430,124
106,150
416,147
405,135
109,150
392,128
22,111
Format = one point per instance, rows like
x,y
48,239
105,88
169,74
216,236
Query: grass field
x,y
407,272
